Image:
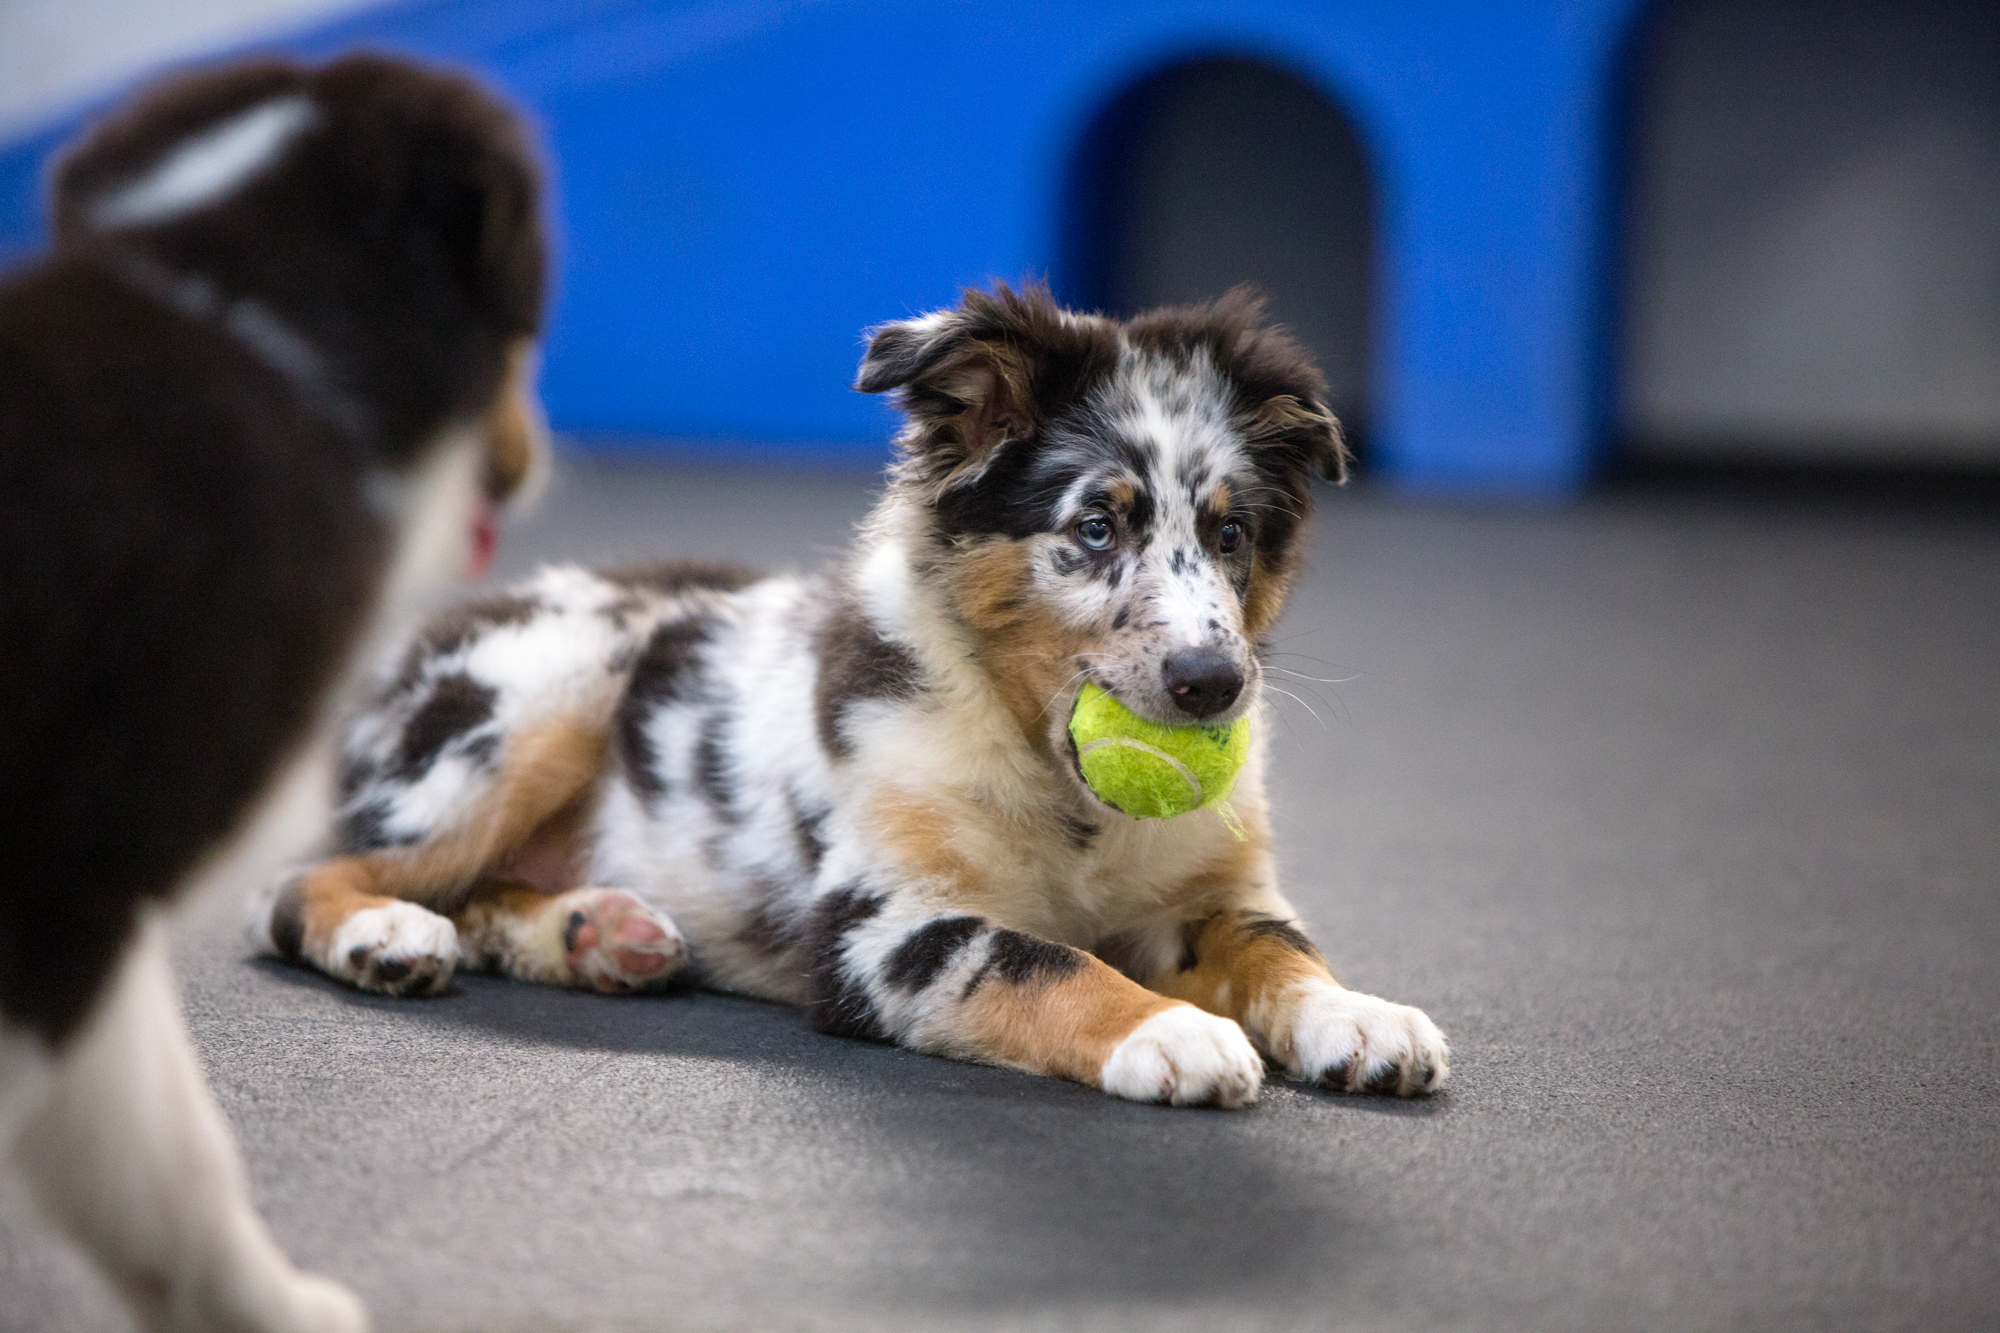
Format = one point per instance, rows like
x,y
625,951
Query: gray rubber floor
x,y
1681,817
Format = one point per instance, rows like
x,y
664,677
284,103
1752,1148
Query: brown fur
x,y
920,834
1238,968
944,871
1265,599
514,425
501,863
484,934
546,769
323,901
1027,654
551,861
1067,1027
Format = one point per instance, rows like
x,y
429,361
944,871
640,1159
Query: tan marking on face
x,y
1122,493
1028,654
1067,1027
1220,498
547,770
517,438
920,834
1264,601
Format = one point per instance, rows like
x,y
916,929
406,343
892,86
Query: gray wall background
x,y
1813,260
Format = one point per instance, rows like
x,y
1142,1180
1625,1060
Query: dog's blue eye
x,y
1095,533
1232,536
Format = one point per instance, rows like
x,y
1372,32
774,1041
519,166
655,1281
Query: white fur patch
x,y
1357,1038
130,1156
434,508
1189,1058
208,166
397,933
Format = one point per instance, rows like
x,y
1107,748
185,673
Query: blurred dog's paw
x,y
614,942
396,949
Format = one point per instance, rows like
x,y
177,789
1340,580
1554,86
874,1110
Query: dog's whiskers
x,y
1277,689
1317,680
1060,689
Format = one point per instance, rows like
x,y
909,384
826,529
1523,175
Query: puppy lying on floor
x,y
856,792
255,406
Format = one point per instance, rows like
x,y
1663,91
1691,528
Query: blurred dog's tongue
x,y
485,539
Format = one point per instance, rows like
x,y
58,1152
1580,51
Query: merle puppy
x,y
261,396
856,792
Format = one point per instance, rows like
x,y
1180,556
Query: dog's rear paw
x,y
614,942
396,949
1361,1044
1189,1058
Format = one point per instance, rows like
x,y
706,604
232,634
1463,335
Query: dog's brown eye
x,y
1232,536
1095,532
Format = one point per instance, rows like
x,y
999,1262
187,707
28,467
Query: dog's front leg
x,y
1261,970
888,968
130,1155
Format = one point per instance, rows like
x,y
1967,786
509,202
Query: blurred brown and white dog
x,y
257,403
856,792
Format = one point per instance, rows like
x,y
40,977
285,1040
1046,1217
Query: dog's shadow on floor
x,y
1049,1191
679,1022
686,1021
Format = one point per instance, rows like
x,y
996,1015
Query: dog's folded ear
x,y
995,368
1305,427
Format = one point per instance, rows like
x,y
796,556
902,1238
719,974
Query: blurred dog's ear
x,y
179,148
505,249
452,164
993,369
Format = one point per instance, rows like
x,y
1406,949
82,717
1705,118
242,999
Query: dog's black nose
x,y
1202,681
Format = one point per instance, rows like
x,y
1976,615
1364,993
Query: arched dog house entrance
x,y
1224,170
1812,255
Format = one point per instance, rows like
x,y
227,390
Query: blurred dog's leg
x,y
335,917
131,1156
597,939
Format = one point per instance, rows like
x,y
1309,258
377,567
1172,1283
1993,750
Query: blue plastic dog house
x,y
744,185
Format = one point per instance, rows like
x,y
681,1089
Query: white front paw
x,y
398,949
1189,1058
1357,1042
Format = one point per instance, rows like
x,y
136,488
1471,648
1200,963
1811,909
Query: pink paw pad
x,y
617,943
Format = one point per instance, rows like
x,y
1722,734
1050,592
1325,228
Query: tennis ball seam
x,y
1133,743
1115,749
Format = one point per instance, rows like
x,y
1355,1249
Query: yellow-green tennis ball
x,y
1150,771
